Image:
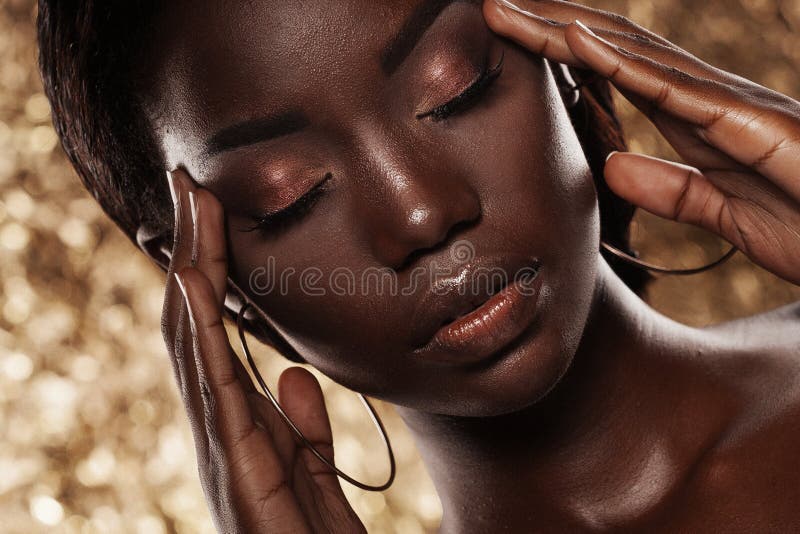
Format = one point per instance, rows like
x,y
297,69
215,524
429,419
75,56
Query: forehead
x,y
213,41
219,61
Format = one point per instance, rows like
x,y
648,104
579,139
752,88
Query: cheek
x,y
538,195
562,213
523,157
536,183
316,301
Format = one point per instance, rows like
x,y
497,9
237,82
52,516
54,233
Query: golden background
x,y
93,437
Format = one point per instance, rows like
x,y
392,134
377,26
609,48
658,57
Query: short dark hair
x,y
92,58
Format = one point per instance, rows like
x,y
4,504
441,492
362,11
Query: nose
x,y
416,203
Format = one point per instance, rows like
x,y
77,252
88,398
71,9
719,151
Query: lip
x,y
472,326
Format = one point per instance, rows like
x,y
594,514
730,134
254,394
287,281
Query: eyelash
x,y
469,96
284,218
278,221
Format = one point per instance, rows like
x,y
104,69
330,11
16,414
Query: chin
x,y
529,371
522,374
525,377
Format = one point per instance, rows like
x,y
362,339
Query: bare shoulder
x,y
759,357
752,470
760,361
779,329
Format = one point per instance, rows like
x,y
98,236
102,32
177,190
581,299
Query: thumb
x,y
302,400
667,189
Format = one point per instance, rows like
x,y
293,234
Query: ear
x,y
570,92
155,245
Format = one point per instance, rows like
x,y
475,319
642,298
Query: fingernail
x,y
585,28
172,191
195,209
513,7
183,287
611,154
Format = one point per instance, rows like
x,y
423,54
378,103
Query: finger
x,y
560,11
175,323
764,136
649,76
302,400
256,472
651,85
182,248
183,242
657,76
184,368
692,147
541,27
669,190
210,249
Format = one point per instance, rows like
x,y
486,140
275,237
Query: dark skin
x,y
603,415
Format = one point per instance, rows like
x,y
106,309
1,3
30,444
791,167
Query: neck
x,y
600,450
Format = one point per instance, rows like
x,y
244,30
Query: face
x,y
407,202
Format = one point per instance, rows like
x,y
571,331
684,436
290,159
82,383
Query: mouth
x,y
475,326
478,301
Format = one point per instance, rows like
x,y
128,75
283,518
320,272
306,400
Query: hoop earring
x,y
373,415
663,270
573,91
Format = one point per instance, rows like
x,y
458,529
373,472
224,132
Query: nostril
x,y
449,236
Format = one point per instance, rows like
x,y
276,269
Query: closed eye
x,y
281,220
469,96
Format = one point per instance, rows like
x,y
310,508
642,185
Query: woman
x,y
375,137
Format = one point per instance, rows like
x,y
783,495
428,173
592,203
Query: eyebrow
x,y
255,131
258,130
415,26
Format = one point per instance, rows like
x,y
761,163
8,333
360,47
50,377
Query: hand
x,y
255,477
740,140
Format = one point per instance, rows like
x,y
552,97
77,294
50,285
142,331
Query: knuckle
x,y
217,257
664,93
615,70
214,323
621,21
227,380
683,196
543,48
679,76
641,40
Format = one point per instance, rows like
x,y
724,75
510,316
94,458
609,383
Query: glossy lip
x,y
477,325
